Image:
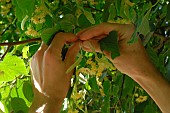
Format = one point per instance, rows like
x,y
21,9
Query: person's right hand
x,y
133,57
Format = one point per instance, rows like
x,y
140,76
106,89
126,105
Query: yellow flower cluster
x,y
39,15
141,99
32,32
85,71
72,111
77,96
5,7
96,68
139,95
92,2
99,83
65,1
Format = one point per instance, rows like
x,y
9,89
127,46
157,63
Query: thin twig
x,y
8,26
8,48
159,35
20,42
163,39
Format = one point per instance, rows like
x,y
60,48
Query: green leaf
x,y
106,107
115,90
27,90
153,56
106,86
168,12
128,87
11,67
143,28
89,16
49,21
5,92
23,8
48,34
149,109
168,70
118,6
83,21
106,10
110,44
19,105
112,12
67,23
93,84
33,48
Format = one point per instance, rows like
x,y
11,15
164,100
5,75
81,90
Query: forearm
x,y
45,105
156,86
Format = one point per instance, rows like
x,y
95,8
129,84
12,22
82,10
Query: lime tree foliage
x,y
97,86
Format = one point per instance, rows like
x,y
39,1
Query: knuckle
x,y
58,34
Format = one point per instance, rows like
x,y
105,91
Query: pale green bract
x,y
75,64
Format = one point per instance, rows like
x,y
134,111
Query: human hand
x,y
51,83
133,58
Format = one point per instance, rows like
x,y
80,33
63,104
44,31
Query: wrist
x,y
53,105
147,73
46,104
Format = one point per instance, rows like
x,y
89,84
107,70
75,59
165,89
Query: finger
x,y
100,37
86,45
82,31
101,29
71,54
58,42
96,46
36,63
40,53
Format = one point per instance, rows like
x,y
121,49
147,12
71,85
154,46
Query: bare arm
x,y
156,86
144,73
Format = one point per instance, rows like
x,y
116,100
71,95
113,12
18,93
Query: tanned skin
x,y
48,69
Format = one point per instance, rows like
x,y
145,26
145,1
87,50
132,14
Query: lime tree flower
x,y
32,32
39,15
141,99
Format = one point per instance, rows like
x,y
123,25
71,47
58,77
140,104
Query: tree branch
x,y
10,44
20,42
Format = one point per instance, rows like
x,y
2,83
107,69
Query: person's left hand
x,y
49,71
